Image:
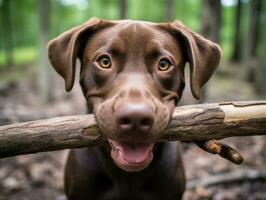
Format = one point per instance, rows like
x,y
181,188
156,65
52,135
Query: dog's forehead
x,y
128,31
134,25
136,34
125,35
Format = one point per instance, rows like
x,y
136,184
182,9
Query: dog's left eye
x,y
164,64
104,62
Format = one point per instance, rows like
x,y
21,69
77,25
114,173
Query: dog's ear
x,y
203,55
66,48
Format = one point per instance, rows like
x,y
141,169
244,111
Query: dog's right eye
x,y
104,62
164,64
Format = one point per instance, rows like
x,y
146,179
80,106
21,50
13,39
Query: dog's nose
x,y
134,117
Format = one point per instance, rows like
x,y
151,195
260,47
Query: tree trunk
x,y
7,31
251,40
236,55
45,72
123,9
211,19
257,14
210,28
261,78
189,123
169,10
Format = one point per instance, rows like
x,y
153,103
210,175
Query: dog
x,y
132,76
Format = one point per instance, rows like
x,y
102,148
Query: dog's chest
x,y
131,192
151,184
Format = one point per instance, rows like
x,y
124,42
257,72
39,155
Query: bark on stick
x,y
189,123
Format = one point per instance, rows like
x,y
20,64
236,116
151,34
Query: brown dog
x,y
132,76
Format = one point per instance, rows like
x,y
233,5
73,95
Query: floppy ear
x,y
203,56
64,50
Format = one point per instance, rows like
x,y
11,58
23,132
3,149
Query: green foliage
x,y
227,31
107,9
22,55
148,10
24,22
188,12
227,28
68,13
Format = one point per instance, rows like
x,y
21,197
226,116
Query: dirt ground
x,y
40,176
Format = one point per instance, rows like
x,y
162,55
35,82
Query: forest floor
x,y
40,176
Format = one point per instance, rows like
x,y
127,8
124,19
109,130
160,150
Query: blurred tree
x,y
211,19
123,9
261,80
252,39
260,84
169,10
45,69
57,15
236,55
257,16
210,27
253,27
24,16
7,31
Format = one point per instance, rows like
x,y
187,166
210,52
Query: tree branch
x,y
227,178
189,123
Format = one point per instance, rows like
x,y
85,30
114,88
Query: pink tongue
x,y
133,153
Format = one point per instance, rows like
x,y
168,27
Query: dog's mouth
x,y
131,157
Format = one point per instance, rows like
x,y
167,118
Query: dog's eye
x,y
104,62
164,64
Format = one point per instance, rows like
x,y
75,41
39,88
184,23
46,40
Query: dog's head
x,y
132,76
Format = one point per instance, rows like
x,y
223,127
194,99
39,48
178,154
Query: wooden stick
x,y
217,121
189,123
